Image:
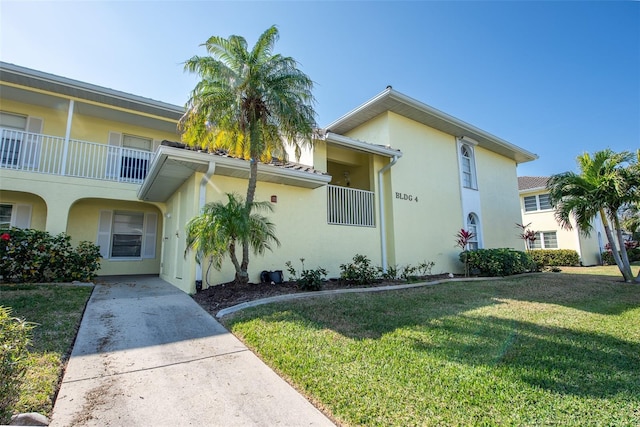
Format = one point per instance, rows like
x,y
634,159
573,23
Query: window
x,y
15,216
128,156
541,202
5,216
127,234
13,127
472,226
468,167
545,240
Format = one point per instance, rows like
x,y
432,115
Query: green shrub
x,y
632,253
555,257
498,262
360,271
15,335
390,274
310,280
36,256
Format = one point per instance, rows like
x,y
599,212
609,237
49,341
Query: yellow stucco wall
x,y
427,171
83,225
54,120
38,206
498,190
180,207
301,225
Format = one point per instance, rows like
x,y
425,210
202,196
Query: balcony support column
x,y
67,135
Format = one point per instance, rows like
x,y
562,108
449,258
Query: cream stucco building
x,y
393,179
537,211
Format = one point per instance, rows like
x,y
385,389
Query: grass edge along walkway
x,y
57,311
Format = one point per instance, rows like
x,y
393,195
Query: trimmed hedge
x,y
34,256
498,262
555,257
633,254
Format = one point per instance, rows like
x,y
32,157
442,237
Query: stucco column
x,y
58,213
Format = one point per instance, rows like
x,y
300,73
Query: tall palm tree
x,y
606,182
249,102
217,230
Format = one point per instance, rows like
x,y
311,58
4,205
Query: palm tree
x,y
217,230
607,181
250,103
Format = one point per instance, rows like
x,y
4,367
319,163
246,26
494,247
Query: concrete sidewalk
x,y
147,354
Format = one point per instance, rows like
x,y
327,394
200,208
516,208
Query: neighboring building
x,y
393,179
537,210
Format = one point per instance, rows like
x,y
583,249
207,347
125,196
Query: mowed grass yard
x,y
57,311
541,349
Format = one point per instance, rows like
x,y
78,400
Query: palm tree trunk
x,y
236,264
251,192
623,249
614,250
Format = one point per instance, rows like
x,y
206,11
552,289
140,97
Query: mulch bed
x,y
218,297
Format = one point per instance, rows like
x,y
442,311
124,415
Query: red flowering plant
x,y
462,241
34,256
527,235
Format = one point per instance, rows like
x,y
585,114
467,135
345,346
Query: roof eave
x,y
199,161
60,82
431,117
354,144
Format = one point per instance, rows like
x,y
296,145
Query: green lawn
x,y
57,311
542,349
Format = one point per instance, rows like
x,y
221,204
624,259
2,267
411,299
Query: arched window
x,y
472,226
468,168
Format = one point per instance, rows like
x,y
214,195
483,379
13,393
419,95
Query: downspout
x,y
383,228
201,202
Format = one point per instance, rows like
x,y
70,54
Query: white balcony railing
x,y
39,153
347,206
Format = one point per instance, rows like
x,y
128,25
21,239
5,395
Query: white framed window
x,y
473,227
468,168
128,156
5,216
545,240
12,215
540,202
137,142
127,234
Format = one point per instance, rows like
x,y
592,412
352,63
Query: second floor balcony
x,y
47,154
31,152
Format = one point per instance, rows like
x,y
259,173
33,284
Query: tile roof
x,y
274,162
531,182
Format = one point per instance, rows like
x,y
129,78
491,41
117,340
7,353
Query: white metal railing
x,y
347,206
39,153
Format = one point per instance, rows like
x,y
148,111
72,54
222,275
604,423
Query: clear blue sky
x,y
555,78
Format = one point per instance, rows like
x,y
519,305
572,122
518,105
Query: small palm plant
x,y
218,230
462,241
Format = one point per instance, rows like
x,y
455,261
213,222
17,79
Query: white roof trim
x,y
391,100
355,144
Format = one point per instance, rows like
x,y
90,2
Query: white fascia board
x,y
532,190
88,87
355,144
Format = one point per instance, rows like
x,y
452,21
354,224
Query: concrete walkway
x,y
147,354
